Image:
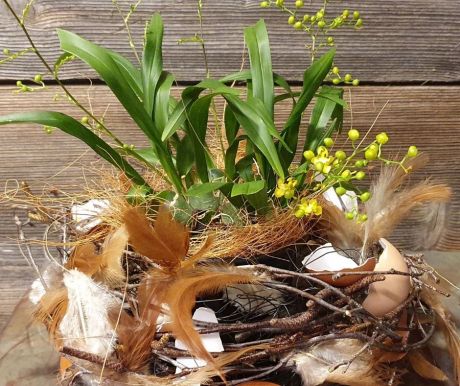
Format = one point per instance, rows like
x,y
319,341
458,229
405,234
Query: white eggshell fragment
x,y
385,296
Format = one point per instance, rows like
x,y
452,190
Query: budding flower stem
x,y
55,77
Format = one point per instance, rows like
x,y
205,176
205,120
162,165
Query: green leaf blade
x,y
71,126
152,61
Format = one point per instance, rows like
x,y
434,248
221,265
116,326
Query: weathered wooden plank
x,y
411,40
426,116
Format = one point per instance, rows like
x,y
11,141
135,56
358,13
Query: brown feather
x,y
181,297
424,368
381,223
134,338
111,270
166,250
338,230
448,328
52,308
85,259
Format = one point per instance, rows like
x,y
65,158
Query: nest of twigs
x,y
122,294
306,311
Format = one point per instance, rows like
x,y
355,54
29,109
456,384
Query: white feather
x,y
85,325
316,365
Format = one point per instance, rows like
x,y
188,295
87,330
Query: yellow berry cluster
x,y
317,24
323,169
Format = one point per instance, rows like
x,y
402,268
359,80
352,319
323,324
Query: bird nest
x,y
124,311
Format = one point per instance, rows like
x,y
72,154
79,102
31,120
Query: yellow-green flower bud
x,y
335,70
346,174
360,175
319,166
355,82
348,78
365,196
340,155
340,190
356,15
309,155
328,142
353,134
264,4
412,151
370,154
349,215
298,25
291,20
299,3
84,120
382,138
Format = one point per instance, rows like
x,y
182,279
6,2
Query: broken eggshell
x,y
384,296
326,259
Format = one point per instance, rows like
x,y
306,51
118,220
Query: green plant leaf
x,y
231,125
162,100
230,157
312,79
148,154
71,126
326,110
259,200
189,95
130,73
247,188
196,128
259,128
138,195
101,61
152,61
256,38
185,155
205,188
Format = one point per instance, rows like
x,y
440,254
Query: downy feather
x,y
85,325
315,365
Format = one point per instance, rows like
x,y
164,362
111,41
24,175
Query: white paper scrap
x,y
212,342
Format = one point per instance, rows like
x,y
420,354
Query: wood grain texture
x,y
426,116
403,41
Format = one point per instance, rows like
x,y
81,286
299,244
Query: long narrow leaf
x,y
313,77
71,126
258,127
162,100
189,95
326,110
205,188
101,61
152,60
256,38
247,188
197,127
